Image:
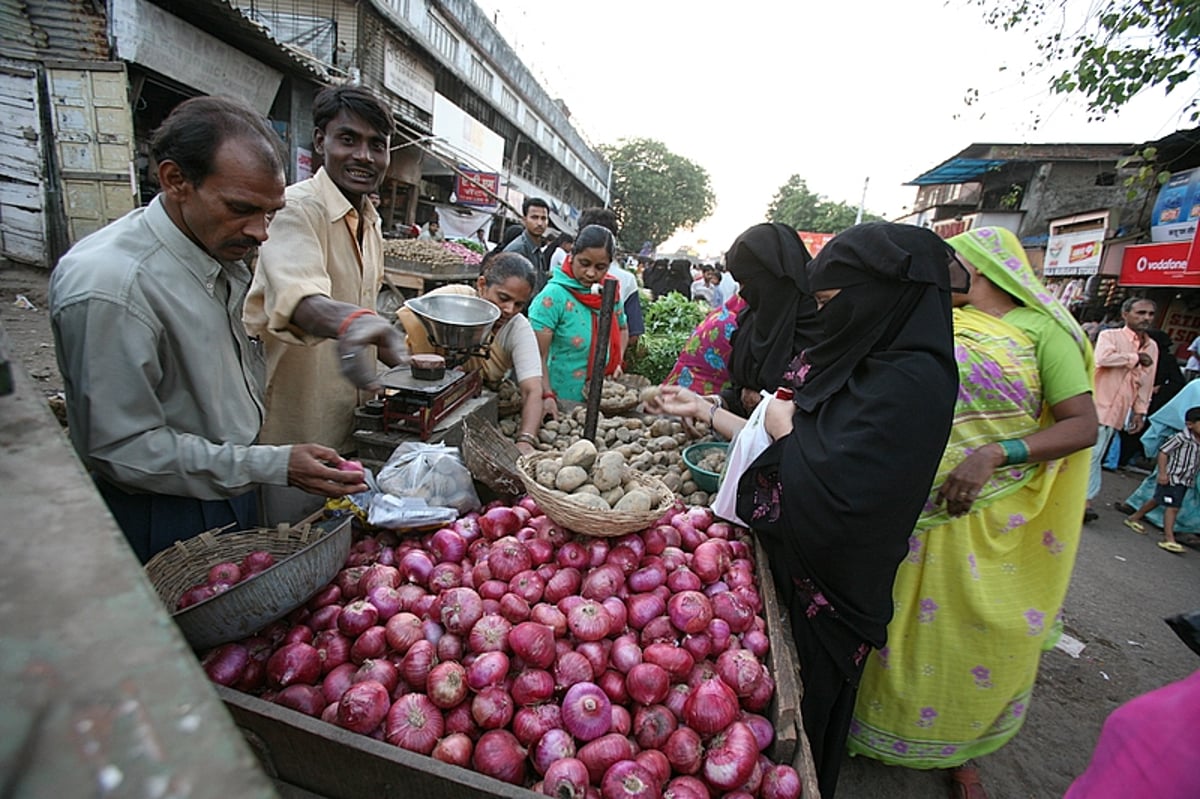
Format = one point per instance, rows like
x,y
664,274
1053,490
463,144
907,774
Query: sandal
x,y
1170,546
965,783
1137,527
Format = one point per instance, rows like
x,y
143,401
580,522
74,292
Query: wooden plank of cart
x,y
422,277
313,759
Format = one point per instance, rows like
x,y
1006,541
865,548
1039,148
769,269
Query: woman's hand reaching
x,y
966,480
675,400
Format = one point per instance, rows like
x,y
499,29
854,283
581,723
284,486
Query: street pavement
x,y
1123,587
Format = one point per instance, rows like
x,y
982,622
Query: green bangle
x,y
1015,451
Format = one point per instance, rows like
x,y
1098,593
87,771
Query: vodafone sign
x,y
1158,266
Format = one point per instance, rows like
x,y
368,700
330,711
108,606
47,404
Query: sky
x,y
844,94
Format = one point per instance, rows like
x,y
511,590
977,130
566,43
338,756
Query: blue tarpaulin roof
x,y
957,170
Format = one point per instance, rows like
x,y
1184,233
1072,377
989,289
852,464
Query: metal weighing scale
x,y
459,326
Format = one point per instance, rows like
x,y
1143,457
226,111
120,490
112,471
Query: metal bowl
x,y
455,321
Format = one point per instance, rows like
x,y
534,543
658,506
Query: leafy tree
x,y
1123,47
655,192
796,205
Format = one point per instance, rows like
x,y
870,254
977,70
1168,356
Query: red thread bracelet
x,y
350,317
549,395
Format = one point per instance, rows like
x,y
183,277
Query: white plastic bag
x,y
746,446
400,513
431,472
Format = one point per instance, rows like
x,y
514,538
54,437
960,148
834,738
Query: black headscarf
x,y
834,503
780,318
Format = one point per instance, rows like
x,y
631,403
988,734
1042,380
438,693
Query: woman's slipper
x,y
1171,546
965,783
1137,527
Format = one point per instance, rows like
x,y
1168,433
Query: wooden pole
x,y
608,296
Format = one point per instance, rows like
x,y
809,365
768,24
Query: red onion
x,y
658,630
257,561
489,634
445,575
379,671
647,683
492,708
356,617
764,731
553,746
720,529
550,616
467,526
489,668
617,614
628,779
447,546
347,580
569,603
572,554
589,621
677,661
337,681
455,749
572,668
459,609
402,631
700,517
674,557
227,572
306,699
647,578
656,763
254,676
612,682
718,635
641,608
446,685
377,575
499,754
711,707
371,644
566,778
596,652
758,701
780,782
299,634
685,788
677,697
499,522
622,722
684,750
652,725
294,663
417,664
492,589
514,608
586,711
625,653
449,647
690,611
532,687
689,536
602,582
414,723
684,579
226,664
740,574
410,595
458,719
740,670
531,723
527,585
730,757
533,643
195,595
507,558
363,706
710,560
757,642
698,646
541,551
733,610
624,558
600,754
749,595
416,566
386,601
422,607
597,549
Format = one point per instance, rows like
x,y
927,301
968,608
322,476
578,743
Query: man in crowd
x,y
163,385
1126,358
536,217
315,286
431,230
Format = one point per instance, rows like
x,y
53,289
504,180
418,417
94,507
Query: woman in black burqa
x,y
779,321
834,498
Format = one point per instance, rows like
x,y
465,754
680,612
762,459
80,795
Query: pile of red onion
x,y
618,668
226,575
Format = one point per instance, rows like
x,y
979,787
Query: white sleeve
x,y
526,357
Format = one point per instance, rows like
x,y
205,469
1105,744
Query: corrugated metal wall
x,y
63,29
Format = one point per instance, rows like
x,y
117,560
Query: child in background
x,y
1178,463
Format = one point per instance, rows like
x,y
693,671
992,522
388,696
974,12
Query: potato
x,y
613,495
608,471
672,481
546,471
649,393
688,487
637,501
587,488
589,501
570,478
660,427
582,454
663,443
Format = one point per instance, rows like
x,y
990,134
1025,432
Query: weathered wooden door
x,y
93,143
22,168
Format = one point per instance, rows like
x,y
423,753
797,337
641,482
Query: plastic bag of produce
x,y
746,446
432,472
398,513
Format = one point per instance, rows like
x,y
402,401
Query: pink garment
x,y
1147,748
1121,383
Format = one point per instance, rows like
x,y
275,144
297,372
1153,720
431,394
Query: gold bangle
x,y
528,438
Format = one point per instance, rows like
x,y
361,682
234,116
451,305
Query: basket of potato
x,y
594,493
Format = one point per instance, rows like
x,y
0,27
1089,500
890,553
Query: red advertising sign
x,y
477,188
1158,265
813,242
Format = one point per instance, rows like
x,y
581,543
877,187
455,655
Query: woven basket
x,y
589,521
491,458
307,557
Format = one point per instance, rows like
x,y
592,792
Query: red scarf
x,y
592,301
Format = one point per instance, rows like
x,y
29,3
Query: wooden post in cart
x,y
608,296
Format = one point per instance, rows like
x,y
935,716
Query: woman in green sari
x,y
979,595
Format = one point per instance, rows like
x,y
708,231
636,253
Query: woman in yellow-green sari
x,y
979,595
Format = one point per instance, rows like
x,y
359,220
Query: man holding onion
x,y
163,386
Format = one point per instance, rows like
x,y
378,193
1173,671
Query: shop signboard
x,y
813,242
408,77
472,187
1177,208
465,135
1074,253
1158,266
1182,324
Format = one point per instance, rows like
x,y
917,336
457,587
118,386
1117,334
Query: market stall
x,y
414,266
